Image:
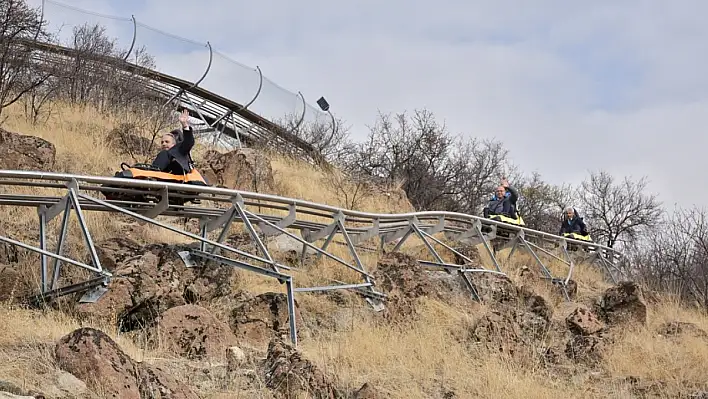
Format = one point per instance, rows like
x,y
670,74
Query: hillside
x,y
224,339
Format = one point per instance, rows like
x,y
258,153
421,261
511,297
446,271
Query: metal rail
x,y
303,221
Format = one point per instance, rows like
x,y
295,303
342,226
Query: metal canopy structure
x,y
276,216
256,117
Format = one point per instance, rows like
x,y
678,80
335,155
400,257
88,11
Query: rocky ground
x,y
236,338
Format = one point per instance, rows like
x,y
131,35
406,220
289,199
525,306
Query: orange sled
x,y
150,173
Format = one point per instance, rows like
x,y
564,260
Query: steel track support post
x,y
548,253
291,310
238,136
614,264
304,242
220,129
43,246
490,252
52,255
223,116
527,247
330,230
224,231
606,265
449,248
564,245
283,278
470,286
431,249
60,244
203,234
564,283
352,250
403,239
468,282
596,257
196,109
330,237
82,223
238,204
375,303
514,245
173,97
174,229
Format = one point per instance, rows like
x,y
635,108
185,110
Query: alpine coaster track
x,y
304,222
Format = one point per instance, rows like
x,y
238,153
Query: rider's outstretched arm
x,y
514,194
187,140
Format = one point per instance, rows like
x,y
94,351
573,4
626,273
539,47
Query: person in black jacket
x,y
176,145
503,201
572,223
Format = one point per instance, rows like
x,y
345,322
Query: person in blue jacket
x,y
572,223
503,202
174,156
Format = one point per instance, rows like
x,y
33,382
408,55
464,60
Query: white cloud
x,y
568,86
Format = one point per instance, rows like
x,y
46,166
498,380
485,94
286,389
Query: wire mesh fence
x,y
192,61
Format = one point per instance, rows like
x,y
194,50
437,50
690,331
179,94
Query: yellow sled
x,y
577,236
519,221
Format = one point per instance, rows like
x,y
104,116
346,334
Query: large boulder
x,y
513,327
290,375
623,304
587,337
494,287
193,332
401,277
93,357
243,169
22,152
582,321
257,320
150,280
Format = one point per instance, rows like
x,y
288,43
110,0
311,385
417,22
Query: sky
x,y
568,86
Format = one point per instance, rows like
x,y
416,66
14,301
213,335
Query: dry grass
x,y
425,358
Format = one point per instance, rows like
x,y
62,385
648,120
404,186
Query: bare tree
x,y
38,101
674,256
352,190
85,75
143,119
484,164
416,150
541,203
19,73
618,212
331,142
